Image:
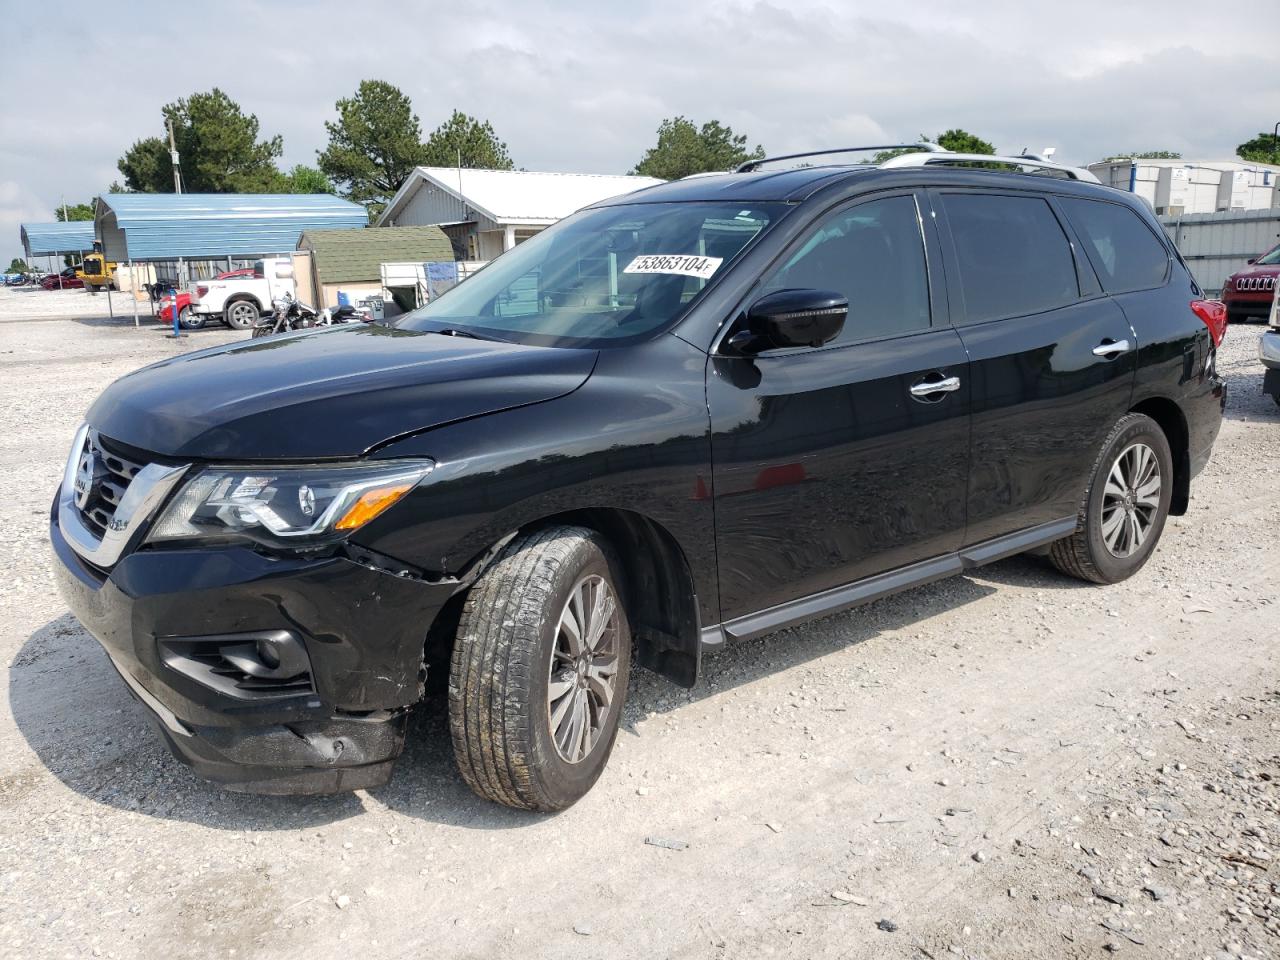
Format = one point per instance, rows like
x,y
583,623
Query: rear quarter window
x,y
1014,257
1123,250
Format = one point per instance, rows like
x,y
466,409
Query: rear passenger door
x,y
1051,358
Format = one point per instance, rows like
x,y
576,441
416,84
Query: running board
x,y
882,585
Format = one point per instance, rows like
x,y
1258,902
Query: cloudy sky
x,y
582,86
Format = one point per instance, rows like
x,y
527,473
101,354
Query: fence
x,y
1216,245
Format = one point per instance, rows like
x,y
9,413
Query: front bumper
x,y
363,630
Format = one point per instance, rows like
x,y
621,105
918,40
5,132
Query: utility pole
x,y
173,155
182,267
1275,143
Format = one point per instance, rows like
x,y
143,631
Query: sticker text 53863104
x,y
677,264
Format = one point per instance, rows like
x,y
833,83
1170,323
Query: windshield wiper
x,y
455,332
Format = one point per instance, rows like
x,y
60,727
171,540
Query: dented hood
x,y
326,394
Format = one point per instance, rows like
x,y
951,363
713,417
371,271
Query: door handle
x,y
1111,348
927,388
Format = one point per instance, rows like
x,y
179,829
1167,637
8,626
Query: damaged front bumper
x,y
264,674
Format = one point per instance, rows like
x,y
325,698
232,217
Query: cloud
x,y
583,86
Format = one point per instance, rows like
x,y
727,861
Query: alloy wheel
x,y
584,668
1130,500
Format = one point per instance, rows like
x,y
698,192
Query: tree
x,y
218,148
1144,155
17,265
146,167
374,144
1264,148
955,140
683,149
304,179
74,212
465,141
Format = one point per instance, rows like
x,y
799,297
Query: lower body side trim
x,y
883,584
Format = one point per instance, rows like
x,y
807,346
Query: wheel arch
x,y
1171,420
658,588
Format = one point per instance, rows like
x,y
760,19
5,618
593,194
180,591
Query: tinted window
x,y
1014,257
1125,253
872,253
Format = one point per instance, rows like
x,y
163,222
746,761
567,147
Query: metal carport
x,y
55,239
207,226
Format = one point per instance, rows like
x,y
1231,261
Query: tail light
x,y
1214,315
201,292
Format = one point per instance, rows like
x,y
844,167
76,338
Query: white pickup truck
x,y
240,301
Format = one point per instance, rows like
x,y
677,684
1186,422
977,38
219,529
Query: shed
x,y
54,239
485,212
208,226
351,260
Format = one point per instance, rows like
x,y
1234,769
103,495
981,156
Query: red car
x,y
60,282
1248,292
185,317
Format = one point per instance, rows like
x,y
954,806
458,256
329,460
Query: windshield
x,y
600,277
1270,258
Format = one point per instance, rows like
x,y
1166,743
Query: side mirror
x,y
791,318
1252,260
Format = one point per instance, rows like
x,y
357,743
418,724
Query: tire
x,y
188,320
262,330
240,314
501,675
1133,523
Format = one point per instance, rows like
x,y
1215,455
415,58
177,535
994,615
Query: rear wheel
x,y
539,671
241,314
1125,506
188,320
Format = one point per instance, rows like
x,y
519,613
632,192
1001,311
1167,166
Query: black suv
x,y
696,413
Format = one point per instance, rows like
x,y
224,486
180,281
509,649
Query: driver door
x,y
835,463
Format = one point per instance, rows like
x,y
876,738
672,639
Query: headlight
x,y
285,506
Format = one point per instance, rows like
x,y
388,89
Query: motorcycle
x,y
289,314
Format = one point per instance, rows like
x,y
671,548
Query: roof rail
x,y
921,145
1027,160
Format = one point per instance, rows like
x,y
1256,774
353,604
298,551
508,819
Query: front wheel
x,y
539,670
1125,506
188,320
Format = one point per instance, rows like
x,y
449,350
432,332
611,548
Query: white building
x,y
1175,187
485,212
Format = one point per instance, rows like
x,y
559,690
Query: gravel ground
x,y
1006,764
32,303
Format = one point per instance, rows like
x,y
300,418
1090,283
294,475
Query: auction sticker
x,y
683,266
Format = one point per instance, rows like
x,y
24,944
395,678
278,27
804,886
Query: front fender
x,y
634,437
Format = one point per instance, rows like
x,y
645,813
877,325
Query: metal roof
x,y
349,256
519,196
46,239
166,226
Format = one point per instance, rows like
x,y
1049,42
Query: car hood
x,y
1257,270
326,394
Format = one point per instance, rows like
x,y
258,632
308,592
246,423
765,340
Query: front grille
x,y
112,474
1255,283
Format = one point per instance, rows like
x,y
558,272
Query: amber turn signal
x,y
371,503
